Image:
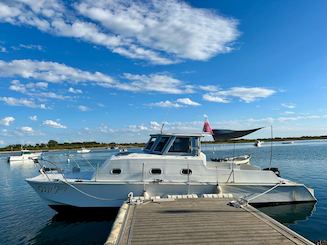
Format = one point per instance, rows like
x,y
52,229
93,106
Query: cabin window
x,y
186,171
161,144
181,145
155,171
116,171
150,143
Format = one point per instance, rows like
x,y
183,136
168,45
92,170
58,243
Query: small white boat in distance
x,y
25,156
243,159
83,150
288,142
258,143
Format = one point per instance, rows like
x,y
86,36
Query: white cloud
x,y
35,90
289,112
182,102
33,118
2,142
165,104
288,105
53,124
53,72
104,129
75,91
7,121
157,83
27,130
245,94
161,32
187,101
83,108
209,88
30,46
155,125
22,102
17,86
215,97
137,128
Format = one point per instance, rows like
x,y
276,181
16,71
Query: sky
x,y
115,71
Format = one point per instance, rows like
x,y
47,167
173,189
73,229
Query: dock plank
x,y
201,221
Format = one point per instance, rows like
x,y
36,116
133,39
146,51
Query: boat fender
x,y
146,195
219,190
273,169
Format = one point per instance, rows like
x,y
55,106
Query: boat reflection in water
x,y
289,213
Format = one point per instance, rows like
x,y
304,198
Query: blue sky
x,y
116,70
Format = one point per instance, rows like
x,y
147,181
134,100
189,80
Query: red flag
x,y
206,127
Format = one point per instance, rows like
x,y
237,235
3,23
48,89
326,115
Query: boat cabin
x,y
174,144
25,152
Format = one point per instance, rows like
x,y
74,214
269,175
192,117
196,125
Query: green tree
x,y
52,143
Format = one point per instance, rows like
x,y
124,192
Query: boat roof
x,y
180,134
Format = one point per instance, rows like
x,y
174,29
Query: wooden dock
x,y
197,221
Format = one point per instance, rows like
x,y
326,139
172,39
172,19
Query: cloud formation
x,y
7,121
244,94
33,118
27,130
182,102
22,102
288,105
53,72
161,32
83,108
53,124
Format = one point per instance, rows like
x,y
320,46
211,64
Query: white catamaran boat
x,y
83,150
170,164
25,156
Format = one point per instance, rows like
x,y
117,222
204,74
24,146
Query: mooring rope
x,y
243,201
89,195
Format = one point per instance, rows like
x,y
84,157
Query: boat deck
x,y
197,221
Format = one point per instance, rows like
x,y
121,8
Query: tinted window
x,y
181,145
161,144
186,171
116,171
155,171
150,143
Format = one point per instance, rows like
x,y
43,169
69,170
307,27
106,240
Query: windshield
x,y
150,143
161,144
181,145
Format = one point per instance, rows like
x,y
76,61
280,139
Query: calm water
x,y
25,219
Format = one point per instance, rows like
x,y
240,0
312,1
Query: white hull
x,y
28,158
111,195
169,165
234,160
83,151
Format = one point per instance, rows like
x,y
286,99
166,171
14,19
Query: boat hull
x,y
59,195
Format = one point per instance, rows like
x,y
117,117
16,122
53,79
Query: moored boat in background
x,y
25,156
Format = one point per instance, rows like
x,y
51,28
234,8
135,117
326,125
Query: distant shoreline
x,y
55,146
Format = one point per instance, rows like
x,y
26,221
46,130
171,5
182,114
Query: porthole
x,y
186,171
155,171
116,171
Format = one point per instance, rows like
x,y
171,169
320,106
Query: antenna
x,y
162,126
271,144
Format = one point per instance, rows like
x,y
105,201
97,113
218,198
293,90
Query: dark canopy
x,y
226,134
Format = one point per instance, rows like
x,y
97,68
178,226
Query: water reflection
x,y
290,213
77,228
